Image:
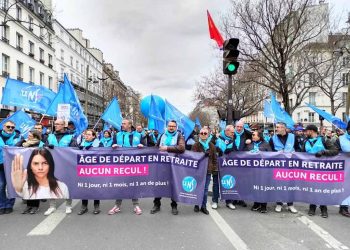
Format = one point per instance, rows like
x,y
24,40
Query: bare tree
x,y
272,34
327,75
203,117
212,91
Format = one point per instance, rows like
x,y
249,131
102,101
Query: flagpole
x,y
41,118
96,123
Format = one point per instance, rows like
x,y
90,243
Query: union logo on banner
x,y
32,94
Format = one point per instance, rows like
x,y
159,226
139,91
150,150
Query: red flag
x,y
214,32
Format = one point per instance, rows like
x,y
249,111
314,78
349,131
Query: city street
x,y
223,228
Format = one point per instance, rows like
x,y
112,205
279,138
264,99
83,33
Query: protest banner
x,y
106,173
288,177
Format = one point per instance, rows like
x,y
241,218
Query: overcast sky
x,y
158,46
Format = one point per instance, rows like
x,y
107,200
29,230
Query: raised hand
x,y
18,175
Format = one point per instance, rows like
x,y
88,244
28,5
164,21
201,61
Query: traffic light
x,y
230,64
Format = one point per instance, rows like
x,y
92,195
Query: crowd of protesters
x,y
213,144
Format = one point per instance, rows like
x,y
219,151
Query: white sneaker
x,y
292,209
50,211
214,205
231,206
68,210
278,208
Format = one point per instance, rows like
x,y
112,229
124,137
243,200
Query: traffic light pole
x,y
229,101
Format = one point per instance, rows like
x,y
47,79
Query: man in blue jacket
x,y
8,137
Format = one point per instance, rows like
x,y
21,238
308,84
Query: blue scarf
x,y
87,143
314,145
106,141
169,137
126,142
6,134
238,138
205,144
255,147
347,136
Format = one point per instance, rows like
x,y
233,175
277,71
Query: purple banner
x,y
285,177
105,173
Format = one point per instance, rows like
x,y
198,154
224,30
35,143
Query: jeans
x,y
205,197
216,193
4,201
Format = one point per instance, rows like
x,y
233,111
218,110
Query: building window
x,y
298,117
312,98
345,78
19,41
50,82
346,61
42,55
344,97
82,69
41,78
19,71
312,79
31,22
4,4
19,13
77,65
311,117
31,75
41,33
49,38
62,54
70,42
62,73
31,49
5,33
71,61
5,65
50,61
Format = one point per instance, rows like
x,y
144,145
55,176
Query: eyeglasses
x,y
10,127
171,126
56,124
203,133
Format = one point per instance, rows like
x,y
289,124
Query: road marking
x,y
51,222
331,242
230,234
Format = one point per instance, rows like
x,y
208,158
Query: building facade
x,y
84,67
26,45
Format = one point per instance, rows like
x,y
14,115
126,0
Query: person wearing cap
x,y
283,142
317,145
343,144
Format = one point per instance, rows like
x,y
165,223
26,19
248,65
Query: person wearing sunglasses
x,y
257,145
173,142
205,145
9,136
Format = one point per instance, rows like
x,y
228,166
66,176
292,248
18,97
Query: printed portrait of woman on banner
x,y
38,180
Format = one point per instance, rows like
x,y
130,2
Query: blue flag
x,y
198,123
155,119
329,117
222,125
28,96
268,110
185,124
280,115
66,95
106,126
23,122
113,115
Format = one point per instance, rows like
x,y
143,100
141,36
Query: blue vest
x,y
64,142
288,147
317,147
344,143
107,142
95,143
224,143
11,141
173,140
136,139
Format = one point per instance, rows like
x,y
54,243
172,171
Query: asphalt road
x,y
222,229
